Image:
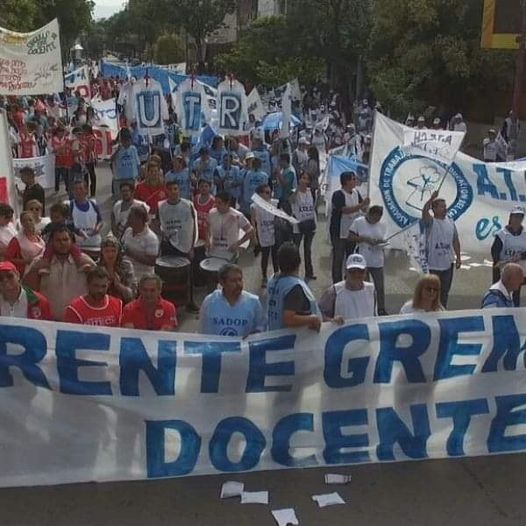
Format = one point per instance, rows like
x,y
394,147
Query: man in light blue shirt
x,y
231,311
125,163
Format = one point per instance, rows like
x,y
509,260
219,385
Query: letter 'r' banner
x,y
94,404
404,174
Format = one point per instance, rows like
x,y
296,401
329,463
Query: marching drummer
x,y
230,310
224,226
178,227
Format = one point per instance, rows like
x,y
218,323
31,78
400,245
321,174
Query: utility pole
x,y
519,65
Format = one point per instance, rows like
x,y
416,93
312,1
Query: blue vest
x,y
220,318
231,180
278,288
251,182
182,178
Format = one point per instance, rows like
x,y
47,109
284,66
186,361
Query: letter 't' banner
x,y
31,63
191,107
82,403
232,107
408,165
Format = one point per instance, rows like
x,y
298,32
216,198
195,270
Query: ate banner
x,y
403,175
44,168
191,107
82,403
31,63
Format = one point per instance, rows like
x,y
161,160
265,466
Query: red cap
x,y
7,266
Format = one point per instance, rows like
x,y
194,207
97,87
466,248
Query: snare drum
x,y
199,255
209,268
175,274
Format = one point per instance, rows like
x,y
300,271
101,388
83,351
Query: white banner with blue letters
x,y
85,403
479,195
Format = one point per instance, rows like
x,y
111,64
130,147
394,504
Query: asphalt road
x,y
485,491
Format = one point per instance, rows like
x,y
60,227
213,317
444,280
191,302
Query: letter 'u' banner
x,y
479,195
31,63
96,404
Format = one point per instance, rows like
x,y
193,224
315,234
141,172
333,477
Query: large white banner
x,y
106,114
83,403
31,63
191,107
44,168
79,81
479,195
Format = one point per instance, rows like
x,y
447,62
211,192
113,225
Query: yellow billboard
x,y
501,24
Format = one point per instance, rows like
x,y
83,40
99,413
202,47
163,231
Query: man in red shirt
x,y
150,311
61,146
96,307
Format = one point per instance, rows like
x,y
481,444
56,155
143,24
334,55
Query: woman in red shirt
x,y
152,190
25,246
61,146
88,142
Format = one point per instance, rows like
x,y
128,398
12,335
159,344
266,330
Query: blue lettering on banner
x,y
149,109
230,111
211,369
356,367
156,443
254,445
484,184
134,358
511,411
461,413
394,194
485,228
259,368
335,441
281,436
192,110
68,343
506,345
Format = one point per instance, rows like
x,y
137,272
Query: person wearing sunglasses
x,y
426,297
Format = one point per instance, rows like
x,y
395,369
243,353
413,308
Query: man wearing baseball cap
x,y
17,301
509,246
352,298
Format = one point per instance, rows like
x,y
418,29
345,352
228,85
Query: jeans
x,y
445,277
341,249
378,279
307,251
92,176
265,253
61,173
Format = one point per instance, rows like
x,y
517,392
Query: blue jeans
x,y
445,277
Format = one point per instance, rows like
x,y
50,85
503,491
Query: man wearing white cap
x,y
352,298
421,123
490,147
458,123
509,246
437,123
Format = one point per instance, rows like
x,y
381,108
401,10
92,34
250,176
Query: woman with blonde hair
x,y
426,297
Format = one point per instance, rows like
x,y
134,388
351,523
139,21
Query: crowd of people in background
x,y
172,199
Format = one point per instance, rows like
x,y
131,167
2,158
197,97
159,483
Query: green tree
x,y
427,52
199,18
168,49
19,15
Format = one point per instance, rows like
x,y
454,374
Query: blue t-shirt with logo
x,y
222,319
126,163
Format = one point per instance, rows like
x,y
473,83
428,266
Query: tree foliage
x,y
427,52
168,49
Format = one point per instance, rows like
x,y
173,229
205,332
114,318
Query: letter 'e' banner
x,y
31,63
96,404
403,175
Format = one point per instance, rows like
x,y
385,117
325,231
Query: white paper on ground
x,y
328,499
285,517
333,478
232,489
254,497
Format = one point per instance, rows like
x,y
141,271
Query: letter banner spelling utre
x,y
93,403
31,63
479,195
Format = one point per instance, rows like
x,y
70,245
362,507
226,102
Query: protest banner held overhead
x,y
79,81
232,107
101,404
191,106
31,63
479,195
44,168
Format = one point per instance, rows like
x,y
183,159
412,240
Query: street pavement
x,y
486,491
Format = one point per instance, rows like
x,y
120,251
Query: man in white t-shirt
x,y
490,147
442,243
121,209
350,299
369,234
224,225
